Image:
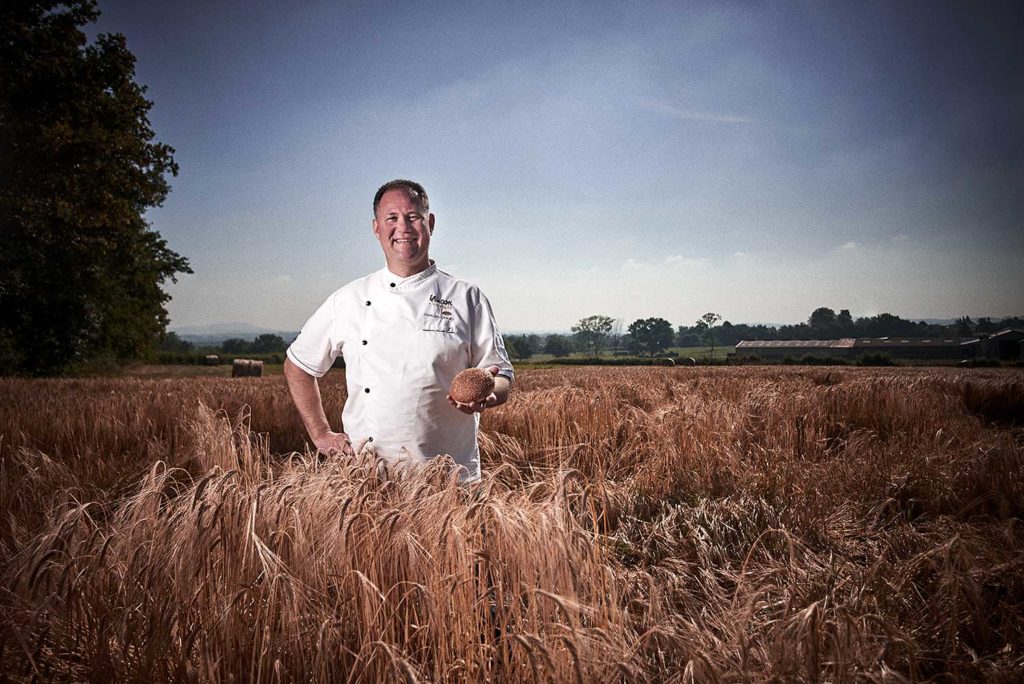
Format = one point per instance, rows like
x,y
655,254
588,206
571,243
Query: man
x,y
405,332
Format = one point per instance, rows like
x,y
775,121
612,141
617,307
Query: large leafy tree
x,y
80,269
592,332
823,322
651,335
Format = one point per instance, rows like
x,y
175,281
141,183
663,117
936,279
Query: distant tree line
x,y
826,324
597,334
266,343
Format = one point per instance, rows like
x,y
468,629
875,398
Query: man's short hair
x,y
415,190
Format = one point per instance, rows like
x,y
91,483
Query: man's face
x,y
403,232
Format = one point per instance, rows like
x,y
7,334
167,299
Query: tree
x,y
822,318
236,345
823,323
592,332
706,324
519,346
651,335
511,347
535,343
615,335
268,343
80,269
558,346
687,337
985,325
886,325
844,322
173,343
963,326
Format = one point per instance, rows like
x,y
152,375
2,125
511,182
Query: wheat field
x,y
633,525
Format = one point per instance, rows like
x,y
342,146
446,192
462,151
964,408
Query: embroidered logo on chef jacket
x,y
441,308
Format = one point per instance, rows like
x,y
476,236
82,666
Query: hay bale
x,y
211,360
246,368
666,362
688,361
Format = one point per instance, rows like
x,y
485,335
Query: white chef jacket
x,y
404,340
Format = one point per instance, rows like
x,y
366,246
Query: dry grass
x,y
633,525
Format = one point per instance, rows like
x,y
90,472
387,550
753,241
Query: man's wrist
x,y
320,433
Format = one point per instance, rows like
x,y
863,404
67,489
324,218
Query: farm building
x,y
914,347
794,349
850,348
1005,345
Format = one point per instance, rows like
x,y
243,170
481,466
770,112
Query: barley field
x,y
633,525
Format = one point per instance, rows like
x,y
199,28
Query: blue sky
x,y
757,159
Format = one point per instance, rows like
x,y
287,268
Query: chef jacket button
x,y
364,341
369,439
367,302
392,284
367,390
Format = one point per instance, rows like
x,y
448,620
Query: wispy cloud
x,y
684,261
848,246
673,261
691,115
633,263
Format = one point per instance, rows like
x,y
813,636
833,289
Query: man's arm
x,y
502,387
305,391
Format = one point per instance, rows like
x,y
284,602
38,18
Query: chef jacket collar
x,y
405,284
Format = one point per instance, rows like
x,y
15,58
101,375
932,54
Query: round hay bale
x,y
666,362
240,368
211,360
256,369
688,361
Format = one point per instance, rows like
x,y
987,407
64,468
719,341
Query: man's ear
x,y
430,223
376,232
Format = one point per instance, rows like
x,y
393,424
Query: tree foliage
x,y
651,335
843,325
617,338
173,343
236,345
268,343
558,346
592,332
521,347
823,321
706,324
80,269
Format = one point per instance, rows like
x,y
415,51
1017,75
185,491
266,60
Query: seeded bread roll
x,y
472,384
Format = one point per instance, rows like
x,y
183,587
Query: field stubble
x,y
633,525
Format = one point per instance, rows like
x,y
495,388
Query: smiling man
x,y
405,331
